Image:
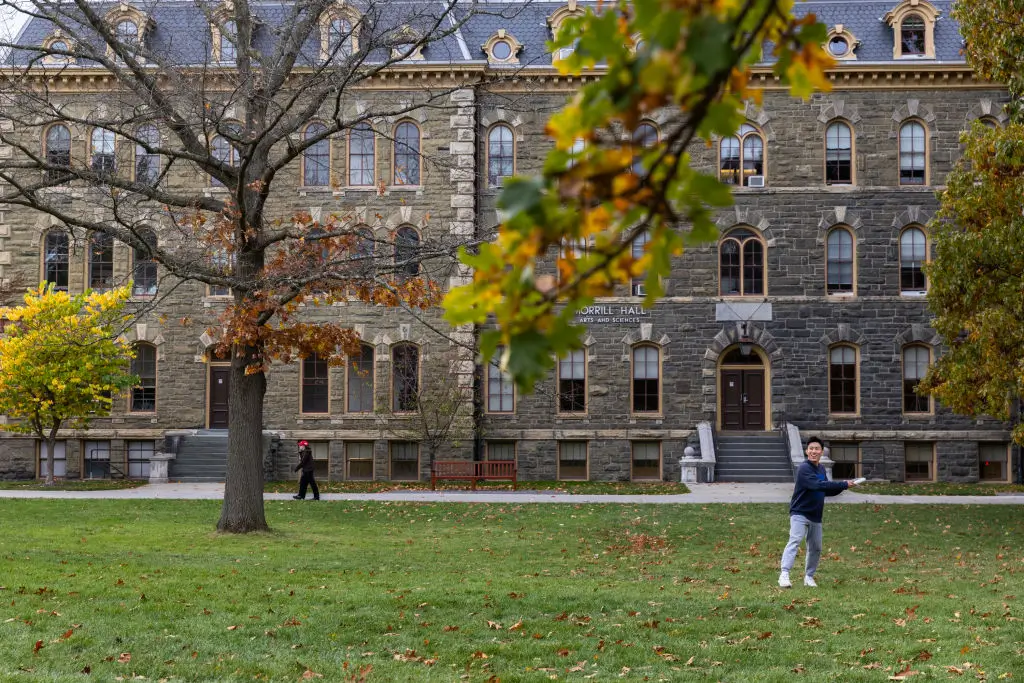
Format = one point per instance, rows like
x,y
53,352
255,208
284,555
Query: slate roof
x,y
182,32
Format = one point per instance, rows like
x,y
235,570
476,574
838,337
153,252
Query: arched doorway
x,y
742,389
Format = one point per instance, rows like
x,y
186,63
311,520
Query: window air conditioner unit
x,y
755,181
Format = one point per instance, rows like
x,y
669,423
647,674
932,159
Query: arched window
x,y
405,378
572,382
361,155
838,154
101,262
913,154
916,359
407,154
912,36
989,122
639,248
913,256
127,33
55,259
500,388
103,161
144,277
228,49
741,158
407,252
315,385
362,253
839,264
842,379
58,151
741,264
646,379
143,395
147,161
501,160
316,159
339,39
644,137
223,151
360,380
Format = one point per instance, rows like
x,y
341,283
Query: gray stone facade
x,y
791,326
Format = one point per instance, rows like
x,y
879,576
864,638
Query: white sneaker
x,y
809,581
784,581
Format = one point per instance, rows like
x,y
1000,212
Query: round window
x,y
501,50
838,46
59,45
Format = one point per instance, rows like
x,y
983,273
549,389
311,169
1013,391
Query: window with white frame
x,y
147,161
405,461
60,459
359,460
101,262
139,453
360,380
838,154
638,250
842,379
501,450
58,152
407,154
992,461
913,154
572,382
572,460
361,156
846,460
741,269
315,385
839,264
500,154
913,256
56,264
103,160
144,272
316,159
741,158
646,460
96,458
143,395
500,391
919,461
646,379
916,359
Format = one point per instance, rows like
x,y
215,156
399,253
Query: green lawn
x,y
432,592
660,488
941,488
73,484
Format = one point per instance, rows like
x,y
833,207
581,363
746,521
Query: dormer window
x,y
841,44
913,28
339,33
228,51
60,45
502,48
556,20
912,35
127,33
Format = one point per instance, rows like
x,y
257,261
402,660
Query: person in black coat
x,y
307,478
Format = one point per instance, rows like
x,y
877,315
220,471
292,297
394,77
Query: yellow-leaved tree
x,y
61,361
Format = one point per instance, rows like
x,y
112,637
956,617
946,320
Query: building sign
x,y
614,314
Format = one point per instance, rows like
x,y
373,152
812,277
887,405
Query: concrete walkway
x,y
702,494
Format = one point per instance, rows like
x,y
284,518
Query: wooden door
x,y
743,402
753,399
732,399
220,394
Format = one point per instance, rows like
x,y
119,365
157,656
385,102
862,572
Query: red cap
x,y
303,443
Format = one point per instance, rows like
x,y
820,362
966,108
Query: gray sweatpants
x,y
800,528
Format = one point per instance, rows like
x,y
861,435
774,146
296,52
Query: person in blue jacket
x,y
805,510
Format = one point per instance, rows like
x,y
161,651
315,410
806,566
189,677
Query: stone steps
x,y
752,458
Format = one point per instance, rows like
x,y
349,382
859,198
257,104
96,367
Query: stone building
x,y
807,316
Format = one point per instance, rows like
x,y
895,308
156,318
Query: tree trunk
x,y
243,490
51,444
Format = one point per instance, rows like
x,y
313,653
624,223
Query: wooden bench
x,y
473,470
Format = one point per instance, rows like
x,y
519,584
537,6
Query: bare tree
x,y
114,131
432,402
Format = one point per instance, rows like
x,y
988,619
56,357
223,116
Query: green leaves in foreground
x,y
612,206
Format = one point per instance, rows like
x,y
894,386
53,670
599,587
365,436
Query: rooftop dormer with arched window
x,y
913,28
